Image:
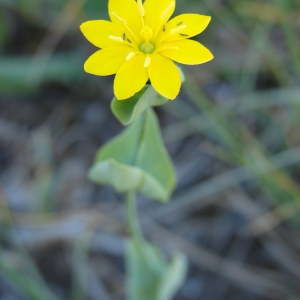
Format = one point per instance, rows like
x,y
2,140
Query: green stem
x,y
132,219
139,139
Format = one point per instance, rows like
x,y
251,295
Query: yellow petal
x,y
186,52
126,13
106,61
164,76
131,77
157,13
98,32
189,25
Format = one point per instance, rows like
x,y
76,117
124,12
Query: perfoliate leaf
x,y
173,277
126,111
136,160
149,275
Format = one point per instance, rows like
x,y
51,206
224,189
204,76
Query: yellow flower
x,y
140,43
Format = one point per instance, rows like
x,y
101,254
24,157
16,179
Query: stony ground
x,y
235,209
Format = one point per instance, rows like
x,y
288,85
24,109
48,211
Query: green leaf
x,y
149,275
19,73
136,160
21,272
126,111
173,277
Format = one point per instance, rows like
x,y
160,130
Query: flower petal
x,y
106,61
128,11
191,24
131,77
158,12
188,52
98,32
164,76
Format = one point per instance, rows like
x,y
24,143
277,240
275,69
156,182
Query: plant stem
x,y
139,138
132,219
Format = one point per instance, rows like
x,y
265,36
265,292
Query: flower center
x,y
147,48
147,34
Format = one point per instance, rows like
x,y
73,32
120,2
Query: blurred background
x,y
233,135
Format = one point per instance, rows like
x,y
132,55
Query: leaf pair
x,y
126,111
136,160
150,276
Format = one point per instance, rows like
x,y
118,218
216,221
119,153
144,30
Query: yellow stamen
x,y
147,62
124,23
176,30
119,18
130,55
141,7
116,38
167,10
